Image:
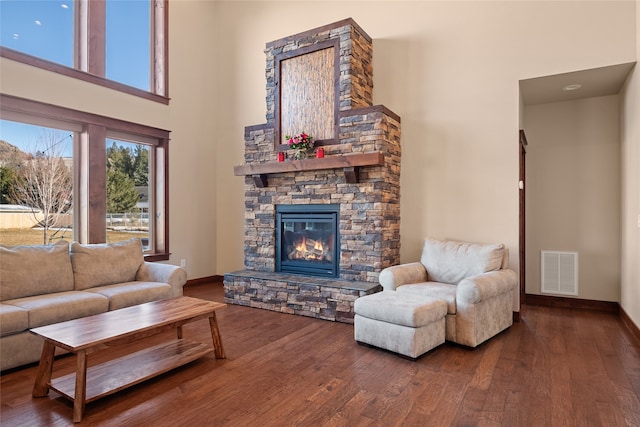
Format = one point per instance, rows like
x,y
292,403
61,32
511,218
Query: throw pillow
x,y
34,270
105,263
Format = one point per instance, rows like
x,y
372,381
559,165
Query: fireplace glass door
x,y
307,240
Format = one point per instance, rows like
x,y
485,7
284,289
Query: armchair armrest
x,y
163,273
486,285
392,277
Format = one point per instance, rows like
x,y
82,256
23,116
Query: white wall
x,y
573,191
451,71
630,126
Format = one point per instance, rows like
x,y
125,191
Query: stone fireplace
x,y
319,231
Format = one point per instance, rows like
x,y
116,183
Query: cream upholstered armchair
x,y
471,278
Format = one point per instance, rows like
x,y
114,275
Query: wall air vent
x,y
559,273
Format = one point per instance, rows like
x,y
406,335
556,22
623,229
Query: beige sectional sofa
x,y
41,285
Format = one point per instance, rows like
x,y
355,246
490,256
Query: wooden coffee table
x,y
89,334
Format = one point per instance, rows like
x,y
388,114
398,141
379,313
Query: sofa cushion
x,y
105,263
20,349
61,306
33,270
132,293
450,262
442,291
13,319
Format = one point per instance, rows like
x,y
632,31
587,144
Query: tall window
x,y
36,184
39,28
128,42
112,177
121,44
128,184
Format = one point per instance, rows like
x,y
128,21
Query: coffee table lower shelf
x,y
115,375
86,335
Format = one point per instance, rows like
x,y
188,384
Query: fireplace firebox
x,y
308,239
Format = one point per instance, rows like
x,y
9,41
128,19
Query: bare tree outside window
x,y
44,182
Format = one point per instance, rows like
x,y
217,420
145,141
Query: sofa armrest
x,y
392,277
163,273
483,286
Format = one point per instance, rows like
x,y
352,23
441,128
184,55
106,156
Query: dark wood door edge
x,y
522,214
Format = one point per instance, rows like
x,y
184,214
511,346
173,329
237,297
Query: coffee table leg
x,y
45,368
215,336
81,386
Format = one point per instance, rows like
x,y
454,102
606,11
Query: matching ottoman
x,y
400,323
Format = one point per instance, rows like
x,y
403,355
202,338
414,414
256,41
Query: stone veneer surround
x,y
369,209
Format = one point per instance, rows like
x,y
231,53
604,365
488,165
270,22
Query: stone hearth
x,y
368,196
328,299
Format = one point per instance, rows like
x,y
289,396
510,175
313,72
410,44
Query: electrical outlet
x,y
183,263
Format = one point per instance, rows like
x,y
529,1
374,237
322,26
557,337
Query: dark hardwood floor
x,y
557,367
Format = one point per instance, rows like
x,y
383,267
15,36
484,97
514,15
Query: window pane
x,y
128,192
42,28
128,42
36,184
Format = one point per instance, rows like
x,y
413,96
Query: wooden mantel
x,y
351,164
